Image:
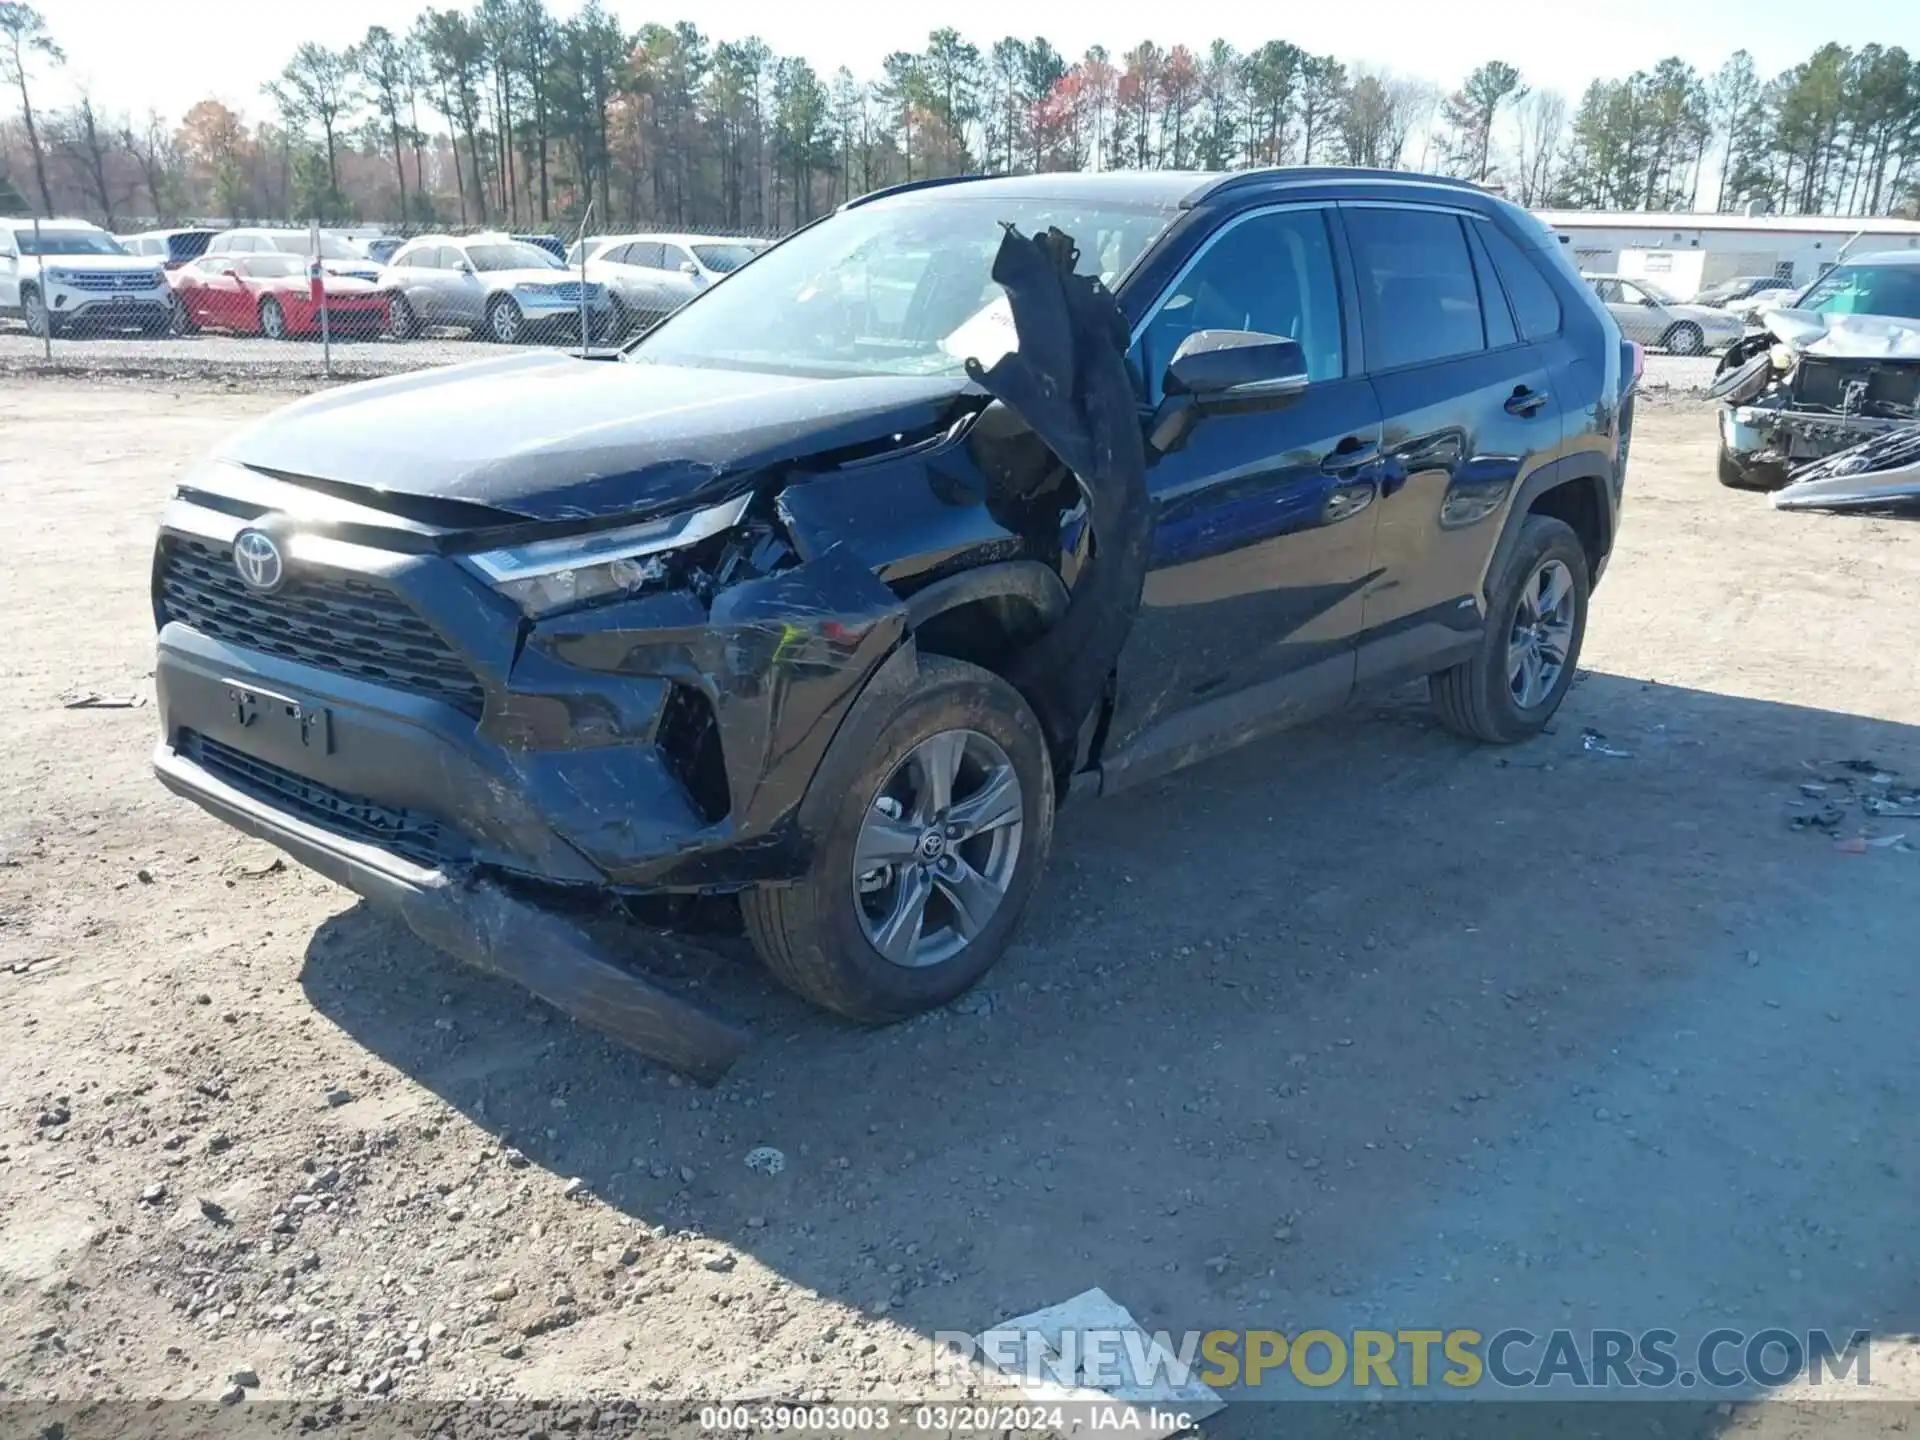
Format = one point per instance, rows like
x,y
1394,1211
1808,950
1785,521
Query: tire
x,y
402,323
33,309
1735,476
619,322
816,935
1477,698
505,324
1685,339
273,320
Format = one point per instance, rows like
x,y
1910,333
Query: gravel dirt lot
x,y
1357,1026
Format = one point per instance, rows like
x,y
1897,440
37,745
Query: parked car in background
x,y
493,285
651,276
72,275
381,248
172,248
1651,317
1745,291
552,244
729,614
272,295
338,255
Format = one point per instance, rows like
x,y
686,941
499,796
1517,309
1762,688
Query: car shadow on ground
x,y
1356,1027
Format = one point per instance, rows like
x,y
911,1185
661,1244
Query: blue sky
x,y
134,53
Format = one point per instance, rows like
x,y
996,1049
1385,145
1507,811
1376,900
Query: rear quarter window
x,y
1536,308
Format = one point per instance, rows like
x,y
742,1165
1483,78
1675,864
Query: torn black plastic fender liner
x,y
1067,378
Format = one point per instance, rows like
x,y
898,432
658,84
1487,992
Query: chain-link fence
x,y
346,302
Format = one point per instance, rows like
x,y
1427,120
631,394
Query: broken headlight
x,y
549,575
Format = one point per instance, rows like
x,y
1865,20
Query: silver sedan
x,y
1649,315
496,287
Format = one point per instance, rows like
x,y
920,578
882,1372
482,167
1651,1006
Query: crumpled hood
x,y
547,436
1847,337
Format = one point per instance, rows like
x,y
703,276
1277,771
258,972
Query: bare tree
x,y
155,150
1414,104
89,148
1540,127
23,39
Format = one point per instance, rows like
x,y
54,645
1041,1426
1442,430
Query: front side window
x,y
645,253
900,286
1272,273
1416,286
672,257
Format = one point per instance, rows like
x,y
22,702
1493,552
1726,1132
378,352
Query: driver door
x,y
1264,530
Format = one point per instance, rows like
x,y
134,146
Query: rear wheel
x,y
505,323
273,320
1686,339
932,833
1535,623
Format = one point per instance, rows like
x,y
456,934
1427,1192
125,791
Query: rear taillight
x,y
1639,359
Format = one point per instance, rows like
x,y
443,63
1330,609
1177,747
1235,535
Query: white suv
x,y
77,276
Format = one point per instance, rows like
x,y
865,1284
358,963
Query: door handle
x,y
1349,455
1525,402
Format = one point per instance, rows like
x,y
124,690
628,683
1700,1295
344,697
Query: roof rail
x,y
907,186
1302,174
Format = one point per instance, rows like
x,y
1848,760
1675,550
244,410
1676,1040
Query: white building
x,y
1686,252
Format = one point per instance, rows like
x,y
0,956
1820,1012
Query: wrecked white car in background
x,y
1838,368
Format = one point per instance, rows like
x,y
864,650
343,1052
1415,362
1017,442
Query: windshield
x,y
724,259
272,267
332,247
897,287
512,256
1866,290
1663,296
69,242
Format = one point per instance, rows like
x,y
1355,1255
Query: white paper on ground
x,y
1096,1310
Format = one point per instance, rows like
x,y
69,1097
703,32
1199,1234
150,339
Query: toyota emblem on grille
x,y
257,559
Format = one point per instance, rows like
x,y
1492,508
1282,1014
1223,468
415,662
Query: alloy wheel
x,y
1542,634
273,323
505,320
938,848
36,314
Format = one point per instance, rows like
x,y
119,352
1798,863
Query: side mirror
x,y
1222,371
465,267
687,267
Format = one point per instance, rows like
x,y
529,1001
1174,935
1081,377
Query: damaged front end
x,y
468,712
1808,386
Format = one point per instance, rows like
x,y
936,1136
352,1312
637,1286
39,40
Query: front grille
x,y
413,834
569,290
110,280
351,627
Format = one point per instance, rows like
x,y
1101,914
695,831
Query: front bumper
x,y
1754,435
656,745
476,920
88,307
551,307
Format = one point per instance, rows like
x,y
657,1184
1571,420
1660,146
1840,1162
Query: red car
x,y
272,295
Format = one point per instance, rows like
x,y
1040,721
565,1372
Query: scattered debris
x,y
1846,785
96,701
1594,743
766,1159
259,872
217,1213
1151,1397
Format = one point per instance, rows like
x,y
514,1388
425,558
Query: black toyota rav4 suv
x,y
762,606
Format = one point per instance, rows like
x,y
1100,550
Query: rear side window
x,y
1417,289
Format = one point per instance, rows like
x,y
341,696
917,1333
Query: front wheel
x,y
1686,339
33,306
273,320
505,323
1535,624
934,828
402,323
